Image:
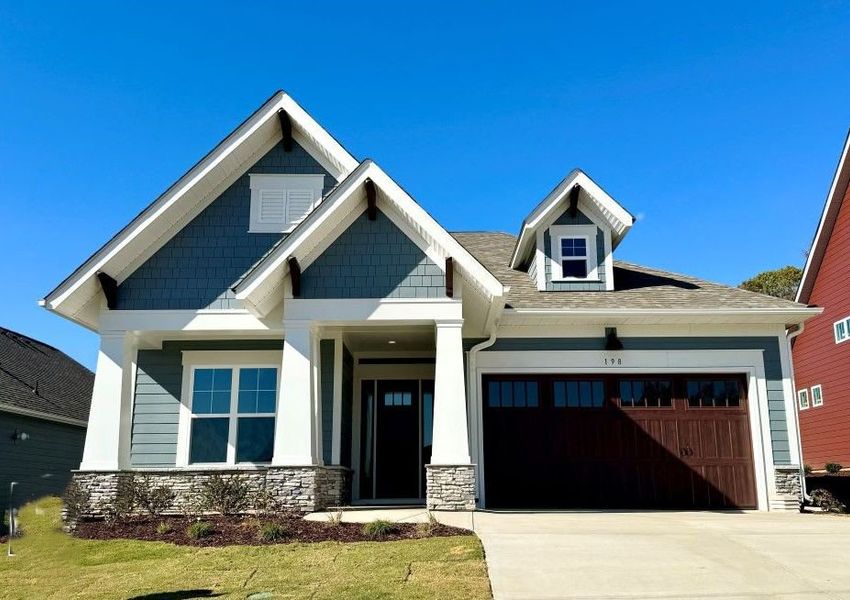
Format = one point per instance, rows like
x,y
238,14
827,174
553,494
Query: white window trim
x,y
803,399
846,322
261,182
233,360
817,399
588,232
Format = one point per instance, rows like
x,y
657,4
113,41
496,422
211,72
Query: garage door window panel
x,y
646,393
578,393
513,394
714,393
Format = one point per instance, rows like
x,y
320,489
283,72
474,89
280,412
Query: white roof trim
x,y
322,220
785,316
37,414
334,157
619,219
825,225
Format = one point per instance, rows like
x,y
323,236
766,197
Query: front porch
x,y
364,412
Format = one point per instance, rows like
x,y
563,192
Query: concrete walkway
x,y
588,555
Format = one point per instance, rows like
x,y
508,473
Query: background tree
x,y
782,283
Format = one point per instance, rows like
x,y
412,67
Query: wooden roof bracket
x,y
371,200
110,289
295,276
285,129
574,200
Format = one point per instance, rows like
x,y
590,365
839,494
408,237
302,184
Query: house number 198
x,y
612,361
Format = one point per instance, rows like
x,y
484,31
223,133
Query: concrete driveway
x,y
787,556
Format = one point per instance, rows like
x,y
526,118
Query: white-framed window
x,y
842,330
228,407
574,253
817,395
280,202
803,398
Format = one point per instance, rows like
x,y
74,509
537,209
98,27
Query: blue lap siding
x,y
196,268
768,345
156,405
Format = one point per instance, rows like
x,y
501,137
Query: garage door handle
x,y
686,451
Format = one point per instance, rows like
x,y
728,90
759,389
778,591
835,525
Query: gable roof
x,y
617,217
77,297
41,381
834,198
637,288
265,279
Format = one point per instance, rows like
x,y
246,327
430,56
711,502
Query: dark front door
x,y
397,457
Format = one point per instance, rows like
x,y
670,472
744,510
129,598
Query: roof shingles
x,y
635,286
38,377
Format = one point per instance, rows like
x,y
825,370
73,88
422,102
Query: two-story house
x,y
289,314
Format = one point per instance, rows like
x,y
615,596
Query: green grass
x,y
51,564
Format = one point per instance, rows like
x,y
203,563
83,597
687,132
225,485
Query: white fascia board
x,y
303,124
232,320
614,316
274,265
365,310
619,219
827,219
36,414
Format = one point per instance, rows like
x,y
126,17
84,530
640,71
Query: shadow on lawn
x,y
178,595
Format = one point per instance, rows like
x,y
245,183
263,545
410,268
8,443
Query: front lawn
x,y
51,564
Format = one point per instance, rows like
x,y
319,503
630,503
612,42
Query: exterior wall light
x,y
19,436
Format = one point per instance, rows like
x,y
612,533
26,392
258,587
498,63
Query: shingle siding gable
x,y
197,267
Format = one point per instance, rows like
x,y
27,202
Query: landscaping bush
x,y
335,518
832,468
272,532
224,495
427,529
76,501
378,529
153,500
265,503
163,528
200,529
826,501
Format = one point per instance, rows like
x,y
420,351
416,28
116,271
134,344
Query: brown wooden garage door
x,y
630,441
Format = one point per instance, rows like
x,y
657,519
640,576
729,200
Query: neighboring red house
x,y
822,351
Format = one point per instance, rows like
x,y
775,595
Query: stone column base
x,y
450,487
304,489
789,488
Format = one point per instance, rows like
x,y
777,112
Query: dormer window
x,y
574,257
573,250
280,202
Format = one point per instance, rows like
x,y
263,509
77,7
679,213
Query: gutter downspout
x,y
790,334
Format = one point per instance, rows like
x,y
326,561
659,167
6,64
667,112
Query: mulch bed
x,y
244,531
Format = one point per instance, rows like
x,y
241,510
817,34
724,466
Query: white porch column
x,y
451,437
295,430
107,446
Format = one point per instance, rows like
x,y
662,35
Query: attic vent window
x,y
280,202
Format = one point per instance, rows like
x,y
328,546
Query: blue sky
x,y
719,124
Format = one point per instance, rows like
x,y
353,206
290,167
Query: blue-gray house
x,y
287,313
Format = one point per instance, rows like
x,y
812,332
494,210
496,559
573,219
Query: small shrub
x,y
76,500
832,468
224,495
807,469
335,518
153,500
824,500
265,503
272,532
163,528
378,529
427,529
200,529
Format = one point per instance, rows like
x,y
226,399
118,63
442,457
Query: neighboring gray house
x,y
44,407
290,314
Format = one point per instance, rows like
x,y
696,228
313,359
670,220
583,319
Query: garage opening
x,y
624,441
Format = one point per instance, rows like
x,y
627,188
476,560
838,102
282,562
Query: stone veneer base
x,y
788,481
305,489
450,487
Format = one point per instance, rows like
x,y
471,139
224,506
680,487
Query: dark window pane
x,y
507,393
519,393
267,379
222,379
208,442
531,391
220,402
203,379
572,394
248,379
586,399
574,268
254,439
626,393
493,394
247,401
598,394
266,401
201,402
